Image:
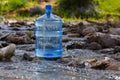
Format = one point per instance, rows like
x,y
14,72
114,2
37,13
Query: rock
x,y
7,52
105,40
116,49
64,60
100,65
22,23
66,39
76,64
65,31
4,36
88,30
29,23
94,46
28,56
107,50
72,24
91,38
9,22
18,39
32,48
90,61
107,59
3,44
108,40
14,23
75,45
66,25
74,27
16,29
72,62
116,56
114,31
114,66
73,35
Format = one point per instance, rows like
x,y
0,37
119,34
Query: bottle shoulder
x,y
51,18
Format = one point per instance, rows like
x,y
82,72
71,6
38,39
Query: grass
x,y
19,9
109,7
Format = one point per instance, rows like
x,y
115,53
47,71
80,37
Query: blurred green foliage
x,y
108,6
63,8
8,5
87,8
75,8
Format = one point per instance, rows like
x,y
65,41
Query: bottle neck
x,y
48,12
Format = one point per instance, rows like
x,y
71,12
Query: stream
x,y
19,69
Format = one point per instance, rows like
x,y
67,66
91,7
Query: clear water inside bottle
x,y
48,33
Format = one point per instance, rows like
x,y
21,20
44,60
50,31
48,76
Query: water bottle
x,y
48,34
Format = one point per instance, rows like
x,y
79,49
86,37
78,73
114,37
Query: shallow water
x,y
20,69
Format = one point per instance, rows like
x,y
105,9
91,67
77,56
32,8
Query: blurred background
x,y
67,9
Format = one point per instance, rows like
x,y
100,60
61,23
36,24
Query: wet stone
x,y
75,45
100,65
66,25
91,38
77,64
9,68
3,44
107,50
73,35
63,60
16,23
28,56
36,60
32,48
6,53
114,67
66,39
72,62
18,39
30,22
91,60
94,46
116,56
16,29
116,49
88,30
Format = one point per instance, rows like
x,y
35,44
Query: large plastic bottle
x,y
48,34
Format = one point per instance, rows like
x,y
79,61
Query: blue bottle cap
x,y
48,10
48,7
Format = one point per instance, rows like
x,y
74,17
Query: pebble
x,y
28,56
107,50
73,35
116,56
114,67
66,39
75,45
7,52
91,60
100,65
116,49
